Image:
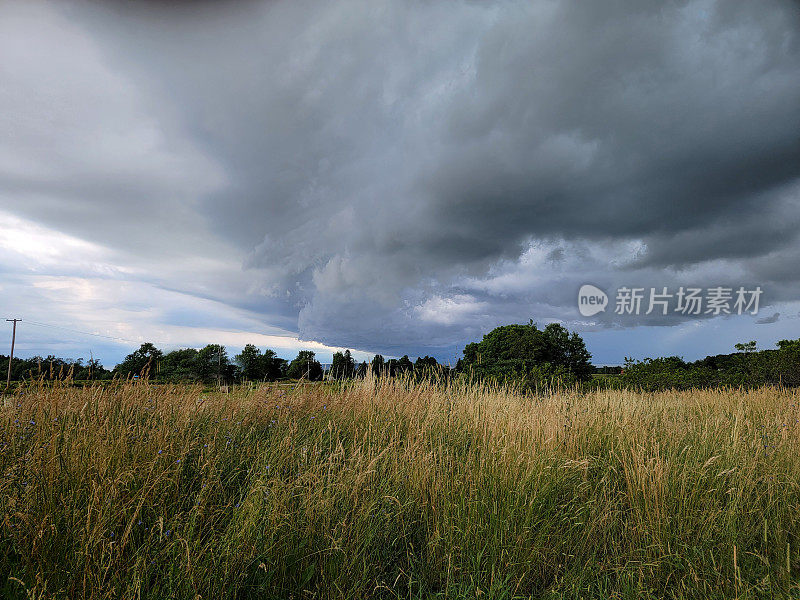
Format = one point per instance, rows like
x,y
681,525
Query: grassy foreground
x,y
393,489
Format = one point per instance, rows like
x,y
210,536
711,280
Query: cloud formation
x,y
773,318
401,177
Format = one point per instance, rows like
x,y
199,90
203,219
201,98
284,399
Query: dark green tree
x,y
212,365
141,362
362,369
525,351
179,366
251,363
748,347
343,365
789,344
305,366
400,366
427,366
425,363
274,367
378,365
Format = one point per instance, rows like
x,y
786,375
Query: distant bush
x,y
741,369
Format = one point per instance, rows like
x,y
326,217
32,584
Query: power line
x,y
100,335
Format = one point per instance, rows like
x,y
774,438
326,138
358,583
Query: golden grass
x,y
388,488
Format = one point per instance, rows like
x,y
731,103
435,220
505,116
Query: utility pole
x,y
11,358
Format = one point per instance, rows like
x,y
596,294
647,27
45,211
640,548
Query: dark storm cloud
x,y
405,175
767,320
592,122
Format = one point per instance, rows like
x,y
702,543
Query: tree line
x,y
212,364
521,354
512,351
747,367
53,367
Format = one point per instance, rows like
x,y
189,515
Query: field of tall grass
x,y
393,489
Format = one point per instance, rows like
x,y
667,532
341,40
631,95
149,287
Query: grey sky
x,y
397,177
